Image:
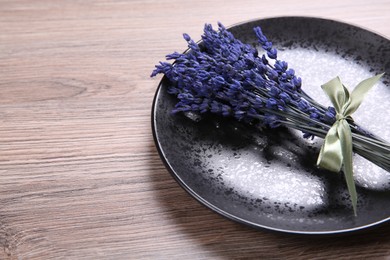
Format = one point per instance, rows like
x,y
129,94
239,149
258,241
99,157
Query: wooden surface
x,y
80,177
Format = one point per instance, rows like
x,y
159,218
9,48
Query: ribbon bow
x,y
336,152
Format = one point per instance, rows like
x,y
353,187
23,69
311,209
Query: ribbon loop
x,y
336,152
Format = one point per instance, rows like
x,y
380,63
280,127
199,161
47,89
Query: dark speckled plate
x,y
268,179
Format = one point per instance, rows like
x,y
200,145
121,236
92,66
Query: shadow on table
x,y
227,239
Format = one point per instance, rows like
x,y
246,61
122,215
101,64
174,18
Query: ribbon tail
x,y
330,157
344,133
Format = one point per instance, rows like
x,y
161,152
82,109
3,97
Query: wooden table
x,y
80,177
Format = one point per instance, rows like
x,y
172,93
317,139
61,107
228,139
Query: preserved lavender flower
x,y
224,76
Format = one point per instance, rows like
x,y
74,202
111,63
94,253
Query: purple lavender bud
x,y
225,52
330,115
257,103
261,67
163,67
173,56
186,37
185,97
283,77
281,66
267,46
252,112
287,86
239,65
193,46
173,90
180,68
290,73
303,105
204,107
226,110
198,100
230,72
191,71
314,115
273,75
218,81
297,82
194,107
285,97
274,91
221,95
260,36
221,26
203,75
272,121
295,97
281,105
244,105
271,103
236,85
258,80
332,110
215,107
208,28
272,54
250,59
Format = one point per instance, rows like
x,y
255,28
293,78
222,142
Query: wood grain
x,y
80,177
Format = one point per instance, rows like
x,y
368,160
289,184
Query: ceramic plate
x,y
268,179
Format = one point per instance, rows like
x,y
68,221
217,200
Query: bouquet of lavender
x,y
224,76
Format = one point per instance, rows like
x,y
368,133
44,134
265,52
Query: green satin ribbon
x,y
336,152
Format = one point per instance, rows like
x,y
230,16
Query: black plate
x,y
268,179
